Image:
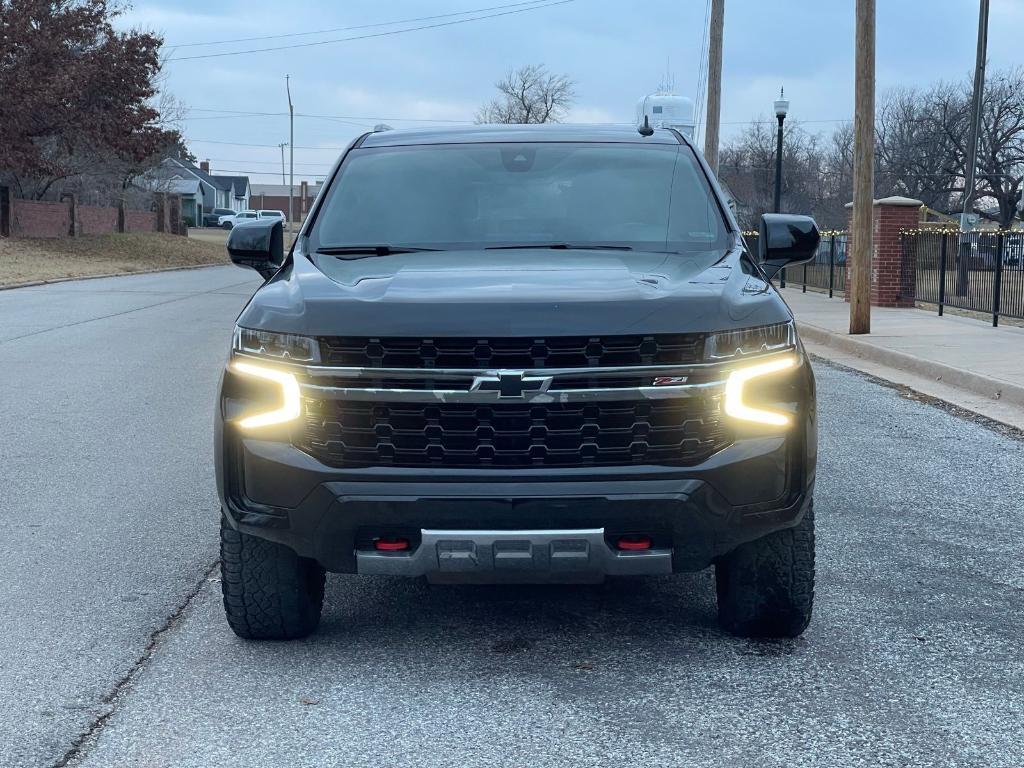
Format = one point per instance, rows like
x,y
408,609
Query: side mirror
x,y
258,244
785,240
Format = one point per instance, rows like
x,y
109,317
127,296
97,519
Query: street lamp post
x,y
781,108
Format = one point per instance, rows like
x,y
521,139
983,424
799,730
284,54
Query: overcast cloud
x,y
616,52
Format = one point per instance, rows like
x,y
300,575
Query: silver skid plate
x,y
576,556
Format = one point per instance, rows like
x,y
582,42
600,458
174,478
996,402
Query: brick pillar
x,y
74,226
5,211
160,205
893,271
177,223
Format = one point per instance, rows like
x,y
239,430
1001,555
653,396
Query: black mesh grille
x,y
671,432
514,353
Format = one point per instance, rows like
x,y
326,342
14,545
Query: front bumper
x,y
693,515
487,556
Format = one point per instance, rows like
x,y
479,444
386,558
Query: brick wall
x,y
893,271
48,219
93,220
140,221
280,203
40,218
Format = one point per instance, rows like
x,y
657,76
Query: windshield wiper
x,y
360,251
562,247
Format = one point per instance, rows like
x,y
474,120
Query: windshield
x,y
653,198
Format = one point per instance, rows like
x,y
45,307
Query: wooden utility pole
x,y
863,170
291,153
977,103
714,83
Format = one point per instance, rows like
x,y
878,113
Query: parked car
x,y
518,354
1013,250
228,221
212,219
271,215
983,249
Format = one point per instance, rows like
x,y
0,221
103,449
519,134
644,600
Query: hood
x,y
515,293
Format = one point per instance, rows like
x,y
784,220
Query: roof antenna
x,y
645,129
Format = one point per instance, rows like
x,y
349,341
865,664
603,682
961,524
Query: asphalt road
x,y
114,652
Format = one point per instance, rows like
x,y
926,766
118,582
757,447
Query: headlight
x,y
737,382
729,345
282,346
291,404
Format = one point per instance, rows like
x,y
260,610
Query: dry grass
x,y
25,260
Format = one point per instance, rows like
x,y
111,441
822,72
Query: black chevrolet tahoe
x,y
518,354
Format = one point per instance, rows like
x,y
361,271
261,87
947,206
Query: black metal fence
x,y
977,271
827,270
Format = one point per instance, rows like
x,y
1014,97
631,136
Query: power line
x,y
366,118
244,144
357,26
702,69
371,35
251,161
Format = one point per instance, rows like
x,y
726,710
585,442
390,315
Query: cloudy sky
x,y
615,50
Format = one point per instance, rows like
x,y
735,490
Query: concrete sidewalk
x,y
957,359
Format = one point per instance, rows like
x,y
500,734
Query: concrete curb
x,y
986,386
33,283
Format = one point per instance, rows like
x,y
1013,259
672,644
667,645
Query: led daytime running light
x,y
734,405
291,407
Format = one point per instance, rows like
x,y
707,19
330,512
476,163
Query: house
x,y
200,191
234,191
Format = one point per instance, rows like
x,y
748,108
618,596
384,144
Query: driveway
x,y
114,651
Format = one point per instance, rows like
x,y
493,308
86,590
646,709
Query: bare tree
x,y
922,144
530,94
747,165
921,152
914,155
1001,143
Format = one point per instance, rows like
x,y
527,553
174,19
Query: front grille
x,y
513,353
462,435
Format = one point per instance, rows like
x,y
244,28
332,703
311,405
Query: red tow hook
x,y
391,544
633,542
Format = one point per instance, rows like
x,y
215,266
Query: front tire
x,y
270,593
766,587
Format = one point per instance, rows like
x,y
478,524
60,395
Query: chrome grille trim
x,y
553,395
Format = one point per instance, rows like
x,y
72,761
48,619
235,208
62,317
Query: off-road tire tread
x,y
766,587
270,593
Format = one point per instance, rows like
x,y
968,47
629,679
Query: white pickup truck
x,y
227,222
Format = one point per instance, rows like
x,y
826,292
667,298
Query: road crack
x,y
111,701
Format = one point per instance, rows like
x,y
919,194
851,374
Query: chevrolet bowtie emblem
x,y
510,384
